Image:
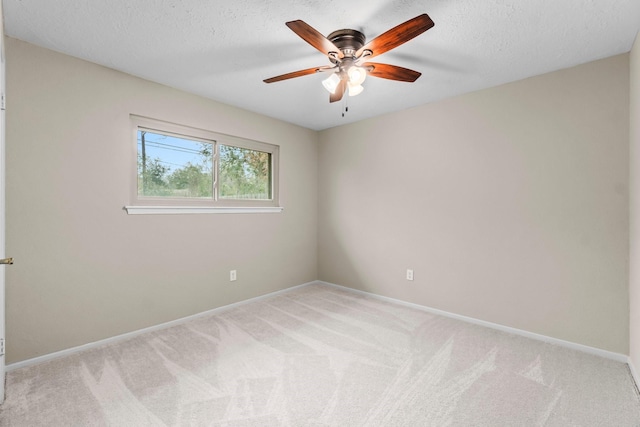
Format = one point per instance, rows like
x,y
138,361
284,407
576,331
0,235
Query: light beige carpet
x,y
321,356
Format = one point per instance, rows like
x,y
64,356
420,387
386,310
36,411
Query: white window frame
x,y
174,205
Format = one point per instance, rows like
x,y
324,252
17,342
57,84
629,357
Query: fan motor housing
x,y
348,41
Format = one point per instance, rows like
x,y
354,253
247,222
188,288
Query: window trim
x,y
168,205
173,210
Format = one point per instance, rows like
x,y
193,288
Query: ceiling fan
x,y
349,55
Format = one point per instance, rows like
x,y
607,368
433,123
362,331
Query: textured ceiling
x,y
224,49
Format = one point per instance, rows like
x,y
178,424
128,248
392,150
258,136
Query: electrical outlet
x,y
232,276
409,274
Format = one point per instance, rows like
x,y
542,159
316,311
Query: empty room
x,y
364,213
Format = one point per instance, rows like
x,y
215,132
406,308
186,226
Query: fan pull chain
x,y
346,107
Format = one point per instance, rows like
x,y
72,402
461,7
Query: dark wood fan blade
x,y
296,74
314,38
397,36
339,93
392,72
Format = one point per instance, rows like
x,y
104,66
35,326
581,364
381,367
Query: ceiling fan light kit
x,y
357,75
331,83
347,51
355,90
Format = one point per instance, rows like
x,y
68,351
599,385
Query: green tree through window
x,y
173,166
244,173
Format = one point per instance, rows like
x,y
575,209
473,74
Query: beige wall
x,y
510,204
634,203
85,270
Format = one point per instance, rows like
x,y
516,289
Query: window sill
x,y
173,210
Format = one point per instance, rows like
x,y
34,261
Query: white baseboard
x,y
111,340
580,347
567,344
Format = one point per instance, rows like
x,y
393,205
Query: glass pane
x,y
171,166
244,173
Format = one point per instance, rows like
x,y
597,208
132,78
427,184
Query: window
x,y
174,166
194,170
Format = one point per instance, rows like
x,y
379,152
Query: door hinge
x,y
2,102
1,346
